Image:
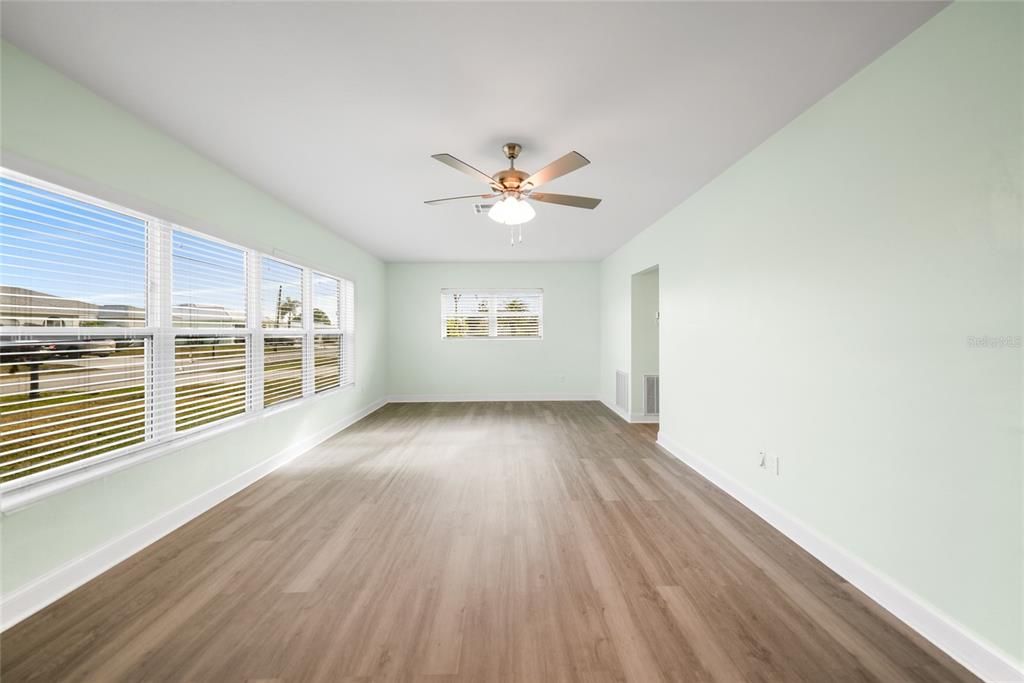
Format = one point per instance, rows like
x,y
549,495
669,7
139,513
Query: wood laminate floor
x,y
474,542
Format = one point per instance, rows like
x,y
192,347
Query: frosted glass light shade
x,y
512,211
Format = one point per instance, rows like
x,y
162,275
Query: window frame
x,y
161,436
341,317
492,314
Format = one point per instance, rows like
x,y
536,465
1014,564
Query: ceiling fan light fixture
x,y
512,187
512,211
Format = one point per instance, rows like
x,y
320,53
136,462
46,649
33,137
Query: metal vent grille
x,y
622,390
482,208
651,395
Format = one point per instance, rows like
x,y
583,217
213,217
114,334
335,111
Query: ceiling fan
x,y
515,186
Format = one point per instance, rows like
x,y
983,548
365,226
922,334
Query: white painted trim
x,y
615,409
942,631
57,583
632,419
484,398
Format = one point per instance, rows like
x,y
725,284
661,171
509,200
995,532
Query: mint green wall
x,y
817,301
562,364
50,124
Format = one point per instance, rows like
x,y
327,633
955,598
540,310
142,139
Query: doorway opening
x,y
644,320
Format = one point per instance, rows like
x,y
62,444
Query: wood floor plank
x,y
469,542
444,643
713,656
645,490
634,653
330,553
602,484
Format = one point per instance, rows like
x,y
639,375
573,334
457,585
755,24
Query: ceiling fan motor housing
x,y
510,179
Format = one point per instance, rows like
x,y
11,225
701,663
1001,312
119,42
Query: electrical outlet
x,y
770,463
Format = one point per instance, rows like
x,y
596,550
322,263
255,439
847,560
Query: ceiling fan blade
x,y
565,200
460,165
465,196
556,169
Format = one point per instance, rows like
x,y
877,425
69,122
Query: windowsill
x,y
22,492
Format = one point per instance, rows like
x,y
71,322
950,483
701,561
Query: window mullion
x,y
343,338
350,333
161,406
255,324
492,319
308,369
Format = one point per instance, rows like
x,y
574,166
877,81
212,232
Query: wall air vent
x,y
482,208
652,396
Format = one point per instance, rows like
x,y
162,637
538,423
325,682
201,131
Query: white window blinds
x,y
211,339
72,373
65,399
119,331
282,369
208,282
281,294
331,302
494,314
67,263
326,302
210,379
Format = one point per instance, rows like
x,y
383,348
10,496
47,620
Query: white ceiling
x,y
335,108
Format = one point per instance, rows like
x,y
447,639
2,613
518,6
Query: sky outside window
x,y
68,263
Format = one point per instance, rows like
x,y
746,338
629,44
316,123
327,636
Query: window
x,y
281,294
281,306
72,278
208,312
67,263
67,398
282,369
326,362
492,314
331,350
326,302
119,331
210,377
208,282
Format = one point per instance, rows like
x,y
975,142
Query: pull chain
x,y
514,236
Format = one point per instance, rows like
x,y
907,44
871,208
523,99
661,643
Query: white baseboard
x,y
633,419
472,398
615,409
942,631
57,583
